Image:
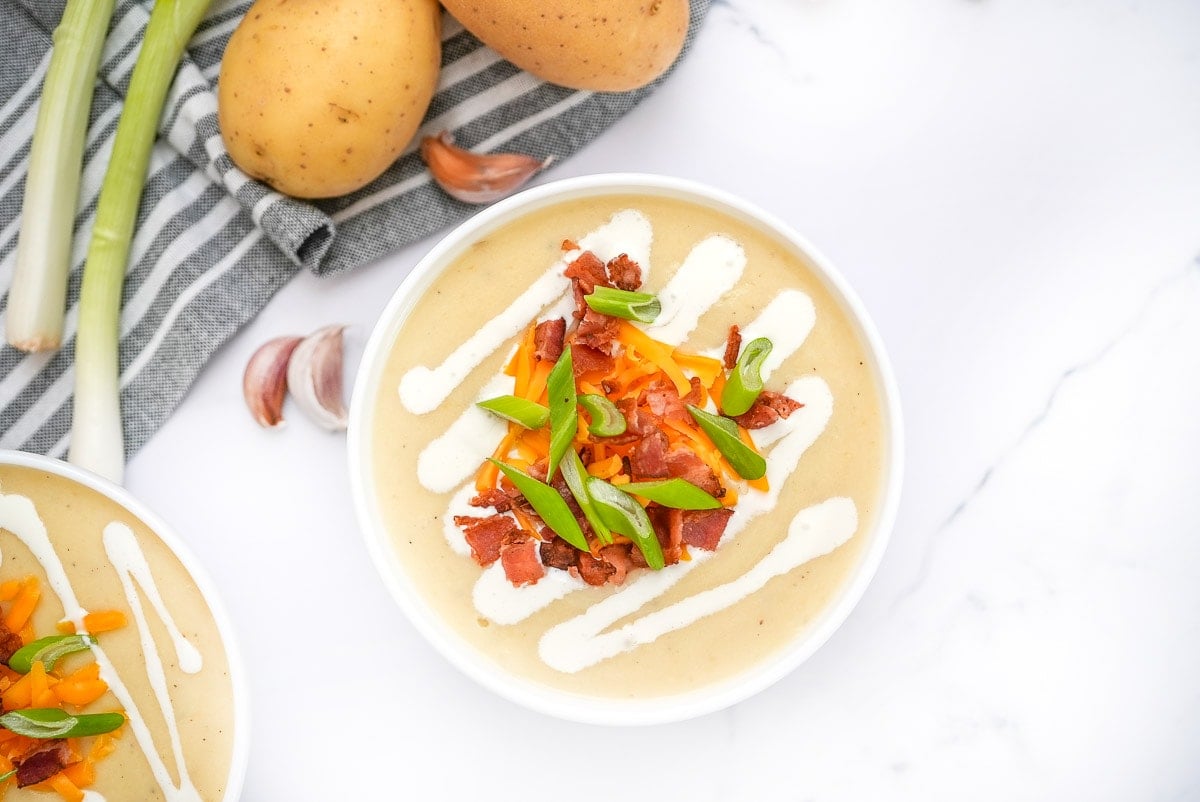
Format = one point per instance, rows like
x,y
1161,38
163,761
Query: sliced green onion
x,y
575,475
548,504
724,434
745,380
621,512
97,441
639,306
38,296
50,722
564,415
7,775
49,651
529,414
607,420
678,493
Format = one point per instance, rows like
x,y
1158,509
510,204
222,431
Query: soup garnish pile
x,y
108,629
645,472
629,443
45,741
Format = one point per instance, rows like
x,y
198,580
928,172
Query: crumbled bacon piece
x,y
592,570
733,347
686,465
703,528
618,556
587,359
696,394
597,330
486,536
519,556
769,407
558,553
492,497
548,339
668,526
664,401
588,271
42,762
569,245
624,272
638,421
648,460
538,470
10,642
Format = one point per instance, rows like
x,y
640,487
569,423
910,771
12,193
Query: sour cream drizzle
x,y
126,557
712,268
578,643
786,320
423,389
505,604
19,516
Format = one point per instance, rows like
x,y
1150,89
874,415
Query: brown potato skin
x,y
318,97
600,45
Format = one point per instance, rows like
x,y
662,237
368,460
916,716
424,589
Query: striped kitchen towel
x,y
212,246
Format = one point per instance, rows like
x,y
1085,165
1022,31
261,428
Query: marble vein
x,y
1135,322
742,19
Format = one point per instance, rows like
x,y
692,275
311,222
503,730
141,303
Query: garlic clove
x,y
474,177
314,377
265,381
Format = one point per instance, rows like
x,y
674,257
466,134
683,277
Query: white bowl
x,y
464,656
241,709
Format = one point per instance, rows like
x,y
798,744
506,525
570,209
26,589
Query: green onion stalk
x,y
38,295
97,442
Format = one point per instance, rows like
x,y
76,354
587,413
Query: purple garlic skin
x,y
265,381
314,377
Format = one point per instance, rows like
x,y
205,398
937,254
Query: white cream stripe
x,y
423,389
504,604
711,269
579,642
126,557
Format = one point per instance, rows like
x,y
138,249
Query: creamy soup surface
x,y
86,530
656,635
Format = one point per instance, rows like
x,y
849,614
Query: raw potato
x,y
318,97
602,45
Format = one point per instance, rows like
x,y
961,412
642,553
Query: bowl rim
x,y
468,659
240,752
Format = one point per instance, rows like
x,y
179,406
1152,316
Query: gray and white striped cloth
x,y
212,246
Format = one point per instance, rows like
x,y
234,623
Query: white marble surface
x,y
1013,186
